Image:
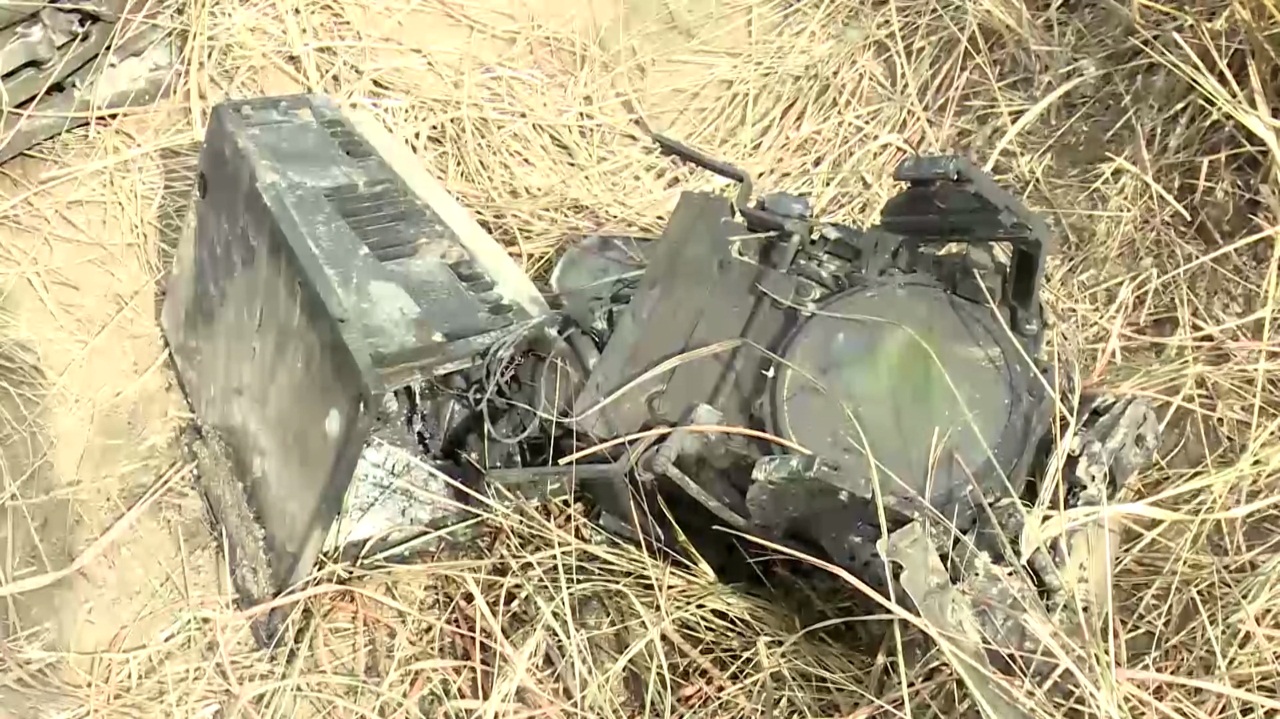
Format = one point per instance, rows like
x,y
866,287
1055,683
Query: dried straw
x,y
1146,133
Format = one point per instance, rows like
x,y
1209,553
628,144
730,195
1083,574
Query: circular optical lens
x,y
907,382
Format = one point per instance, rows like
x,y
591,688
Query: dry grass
x,y
1148,135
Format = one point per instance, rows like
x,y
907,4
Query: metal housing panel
x,y
312,279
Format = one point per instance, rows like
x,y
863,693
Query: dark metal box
x,y
320,268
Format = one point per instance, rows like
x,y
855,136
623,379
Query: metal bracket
x,y
952,200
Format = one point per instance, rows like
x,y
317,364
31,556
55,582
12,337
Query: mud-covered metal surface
x,y
63,64
237,313
50,42
224,493
311,278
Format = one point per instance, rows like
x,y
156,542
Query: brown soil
x,y
79,274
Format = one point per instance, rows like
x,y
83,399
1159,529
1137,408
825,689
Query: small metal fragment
x,y
949,616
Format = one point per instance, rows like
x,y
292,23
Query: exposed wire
x,y
501,363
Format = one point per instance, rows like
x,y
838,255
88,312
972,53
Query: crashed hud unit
x,y
874,397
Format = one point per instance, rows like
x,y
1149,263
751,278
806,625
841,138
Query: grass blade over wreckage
x,y
871,397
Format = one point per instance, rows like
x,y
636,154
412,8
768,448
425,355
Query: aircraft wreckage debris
x,y
371,362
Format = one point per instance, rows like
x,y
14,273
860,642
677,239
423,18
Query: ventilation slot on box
x,y
385,217
348,141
